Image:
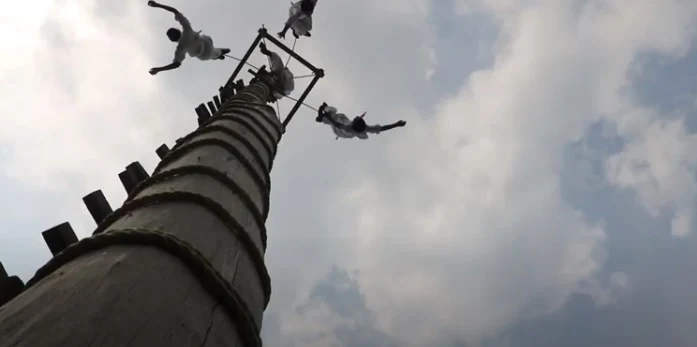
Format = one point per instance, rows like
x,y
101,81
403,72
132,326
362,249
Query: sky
x,y
543,192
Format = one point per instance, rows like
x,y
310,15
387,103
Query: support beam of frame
x,y
244,59
304,95
288,50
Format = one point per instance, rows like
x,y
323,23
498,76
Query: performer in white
x,y
188,41
299,18
345,128
286,84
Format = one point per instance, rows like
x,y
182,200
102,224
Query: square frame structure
x,y
264,34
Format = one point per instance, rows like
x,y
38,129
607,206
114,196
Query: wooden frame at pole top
x,y
264,34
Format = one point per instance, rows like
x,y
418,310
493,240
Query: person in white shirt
x,y
188,41
285,84
345,128
299,18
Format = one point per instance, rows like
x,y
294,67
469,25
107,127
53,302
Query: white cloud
x,y
314,326
467,225
455,222
659,163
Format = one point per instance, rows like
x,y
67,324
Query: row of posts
x,y
61,236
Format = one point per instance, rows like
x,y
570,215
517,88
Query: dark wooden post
x,y
132,176
137,171
239,85
181,263
216,100
226,92
10,286
162,151
59,237
97,205
128,181
203,114
212,107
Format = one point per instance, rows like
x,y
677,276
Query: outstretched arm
x,y
401,123
186,25
156,70
164,7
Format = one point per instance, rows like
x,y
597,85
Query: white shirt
x,y
194,43
298,20
344,130
286,82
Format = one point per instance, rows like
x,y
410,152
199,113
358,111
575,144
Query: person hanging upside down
x,y
345,128
188,41
286,84
299,18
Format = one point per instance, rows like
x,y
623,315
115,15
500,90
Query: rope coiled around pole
x,y
214,174
223,291
263,183
211,205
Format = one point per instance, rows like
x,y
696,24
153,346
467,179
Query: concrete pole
x,y
181,262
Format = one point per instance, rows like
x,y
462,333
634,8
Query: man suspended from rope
x,y
299,18
188,41
345,128
286,84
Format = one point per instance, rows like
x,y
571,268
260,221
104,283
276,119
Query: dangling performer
x,y
188,41
286,84
299,18
345,128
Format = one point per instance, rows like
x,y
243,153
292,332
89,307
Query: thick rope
x,y
275,125
278,109
238,137
250,121
292,50
186,139
211,205
247,120
304,76
240,60
231,116
261,182
304,104
216,175
211,280
231,104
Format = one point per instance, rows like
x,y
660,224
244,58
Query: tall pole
x,y
181,263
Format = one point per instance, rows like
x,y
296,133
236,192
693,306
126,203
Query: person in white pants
x,y
188,41
299,18
345,128
286,84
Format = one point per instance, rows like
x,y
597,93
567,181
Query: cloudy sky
x,y
543,193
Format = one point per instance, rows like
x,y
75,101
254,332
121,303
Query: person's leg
x,y
220,53
321,112
263,49
275,61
